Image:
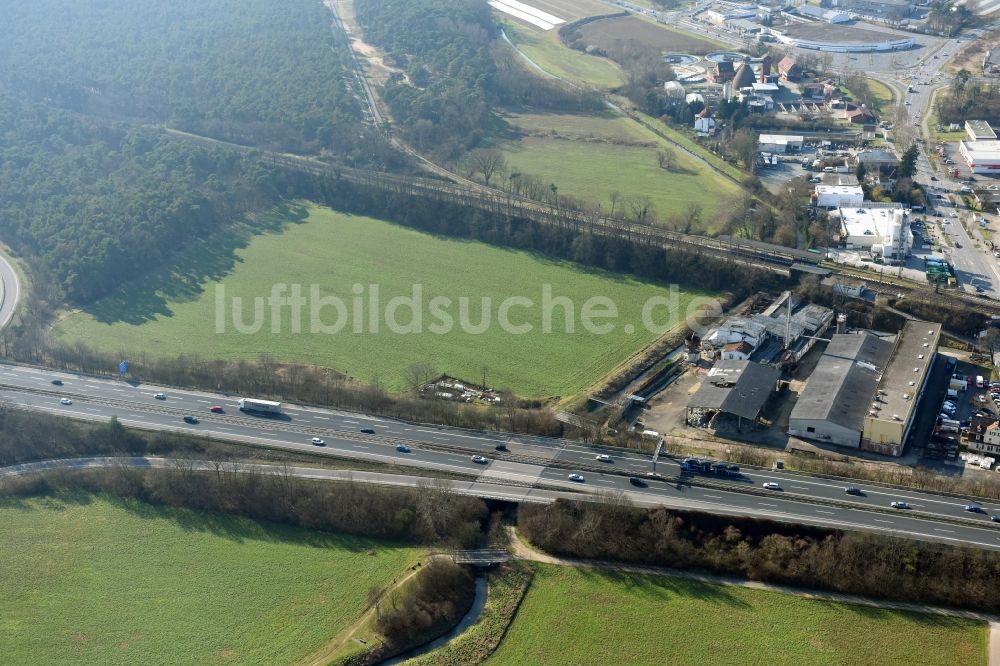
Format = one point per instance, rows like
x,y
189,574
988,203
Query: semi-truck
x,y
259,406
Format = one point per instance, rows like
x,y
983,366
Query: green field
x,y
579,617
177,312
545,50
589,157
105,581
883,94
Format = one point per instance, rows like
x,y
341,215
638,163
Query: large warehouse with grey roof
x,y
865,389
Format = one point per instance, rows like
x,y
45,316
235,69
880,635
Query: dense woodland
x,y
847,562
93,204
93,192
454,70
263,72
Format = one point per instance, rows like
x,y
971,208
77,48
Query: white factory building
x,y
779,143
981,156
839,196
880,229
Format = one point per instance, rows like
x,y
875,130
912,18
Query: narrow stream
x,y
478,603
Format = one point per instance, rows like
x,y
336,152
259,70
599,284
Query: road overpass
x,y
531,469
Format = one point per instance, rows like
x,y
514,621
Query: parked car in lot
x,y
604,457
402,448
576,477
479,460
318,441
900,505
770,485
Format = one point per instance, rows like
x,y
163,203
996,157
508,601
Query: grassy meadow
x,y
579,617
589,157
105,581
545,50
177,312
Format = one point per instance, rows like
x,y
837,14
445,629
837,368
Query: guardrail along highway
x,y
531,468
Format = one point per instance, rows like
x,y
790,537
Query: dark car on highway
x,y
190,419
636,481
57,382
368,431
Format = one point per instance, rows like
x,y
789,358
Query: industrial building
x,y
888,422
878,228
839,196
779,143
733,389
820,14
888,10
981,156
833,405
979,130
782,333
865,389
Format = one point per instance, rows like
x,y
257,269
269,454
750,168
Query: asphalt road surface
x,y
11,287
530,466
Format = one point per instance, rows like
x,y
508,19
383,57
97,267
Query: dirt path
x,y
993,658
523,551
322,655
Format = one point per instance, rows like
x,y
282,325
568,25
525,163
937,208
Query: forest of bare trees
x,y
857,563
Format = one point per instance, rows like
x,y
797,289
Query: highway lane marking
x,y
350,421
829,513
799,487
323,418
879,520
768,504
938,529
713,496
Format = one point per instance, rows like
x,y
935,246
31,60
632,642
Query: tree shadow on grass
x,y
925,619
665,586
208,260
241,530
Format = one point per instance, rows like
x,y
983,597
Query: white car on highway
x,y
65,401
479,460
576,477
771,485
160,396
604,457
318,441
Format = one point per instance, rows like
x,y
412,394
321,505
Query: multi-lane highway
x,y
530,468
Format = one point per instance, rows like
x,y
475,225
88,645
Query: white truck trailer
x,y
261,406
